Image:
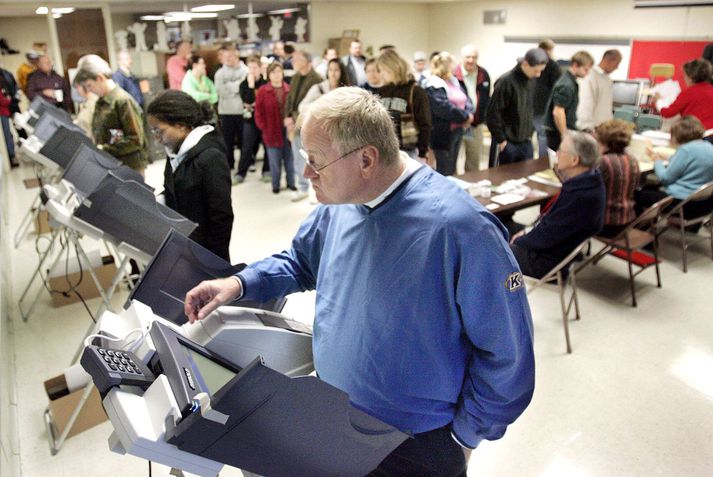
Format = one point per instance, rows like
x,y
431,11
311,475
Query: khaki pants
x,y
473,148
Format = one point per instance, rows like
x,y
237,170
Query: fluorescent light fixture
x,y
42,10
283,10
152,17
186,16
56,15
217,7
251,15
55,11
63,10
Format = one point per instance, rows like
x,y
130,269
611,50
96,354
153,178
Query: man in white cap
x,y
420,73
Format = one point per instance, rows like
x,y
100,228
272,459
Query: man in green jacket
x,y
304,78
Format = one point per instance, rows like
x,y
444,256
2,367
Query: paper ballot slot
x,y
61,147
267,423
178,266
128,211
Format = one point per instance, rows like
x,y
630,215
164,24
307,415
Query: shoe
x,y
251,169
275,191
292,188
299,195
266,177
238,179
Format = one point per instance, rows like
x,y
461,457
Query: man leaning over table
x,y
423,330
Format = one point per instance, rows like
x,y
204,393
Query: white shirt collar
x,y
412,165
191,140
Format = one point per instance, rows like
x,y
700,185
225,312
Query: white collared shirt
x,y
412,165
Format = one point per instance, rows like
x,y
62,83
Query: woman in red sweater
x,y
6,99
269,113
697,99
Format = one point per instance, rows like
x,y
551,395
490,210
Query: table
x,y
500,174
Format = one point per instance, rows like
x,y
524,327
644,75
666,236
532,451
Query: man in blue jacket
x,y
576,214
421,313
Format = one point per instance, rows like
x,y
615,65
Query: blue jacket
x,y
443,112
129,84
576,214
688,169
421,316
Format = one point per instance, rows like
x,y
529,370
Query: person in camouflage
x,y
117,125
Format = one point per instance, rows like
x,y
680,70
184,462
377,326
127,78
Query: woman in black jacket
x,y
406,102
197,177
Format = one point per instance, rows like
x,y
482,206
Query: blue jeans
x,y
302,182
277,156
446,159
513,152
9,140
539,123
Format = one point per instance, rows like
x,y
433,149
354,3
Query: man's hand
x,y
502,145
48,92
289,124
209,295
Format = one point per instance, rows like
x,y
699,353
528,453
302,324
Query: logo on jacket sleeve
x,y
514,281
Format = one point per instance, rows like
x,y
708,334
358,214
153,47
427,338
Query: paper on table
x,y
505,199
492,206
668,91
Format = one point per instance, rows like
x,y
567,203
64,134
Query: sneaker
x,y
251,169
238,179
299,195
266,177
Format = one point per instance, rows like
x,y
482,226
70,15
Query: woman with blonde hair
x,y
451,112
620,173
407,104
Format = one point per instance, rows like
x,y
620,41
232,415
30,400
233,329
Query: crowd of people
x,y
361,133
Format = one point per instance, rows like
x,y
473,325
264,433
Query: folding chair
x,y
627,244
564,274
675,219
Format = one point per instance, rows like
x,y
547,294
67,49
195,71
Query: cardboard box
x,y
105,273
63,403
42,222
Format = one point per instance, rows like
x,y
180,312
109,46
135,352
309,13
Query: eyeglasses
x,y
315,168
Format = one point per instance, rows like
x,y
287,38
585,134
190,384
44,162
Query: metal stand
x,y
56,442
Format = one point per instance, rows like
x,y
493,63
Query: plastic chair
x,y
627,244
646,122
675,219
624,114
564,275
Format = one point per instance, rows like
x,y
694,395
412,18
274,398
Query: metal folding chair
x,y
564,274
626,245
675,219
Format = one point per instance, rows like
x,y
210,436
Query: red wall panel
x,y
644,53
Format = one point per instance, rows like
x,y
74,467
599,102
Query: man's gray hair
x,y
352,117
586,147
307,55
467,49
91,66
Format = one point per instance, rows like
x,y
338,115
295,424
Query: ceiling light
x,y
63,10
42,10
283,10
218,7
186,16
56,15
152,18
251,15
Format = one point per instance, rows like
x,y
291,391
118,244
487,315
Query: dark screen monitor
x,y
50,121
63,145
179,265
128,211
39,105
89,166
626,93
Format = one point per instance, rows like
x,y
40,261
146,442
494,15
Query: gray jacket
x,y
227,84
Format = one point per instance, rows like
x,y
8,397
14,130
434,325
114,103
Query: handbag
x,y
409,132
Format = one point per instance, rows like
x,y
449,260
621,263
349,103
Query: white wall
x,y
452,25
20,33
405,25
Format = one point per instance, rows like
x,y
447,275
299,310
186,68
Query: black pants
x,y
428,454
513,152
649,195
232,125
252,137
554,139
531,263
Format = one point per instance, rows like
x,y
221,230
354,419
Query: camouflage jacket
x,y
117,127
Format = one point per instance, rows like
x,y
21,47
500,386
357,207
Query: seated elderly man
x,y
421,328
574,215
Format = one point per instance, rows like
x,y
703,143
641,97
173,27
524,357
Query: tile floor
x,y
634,399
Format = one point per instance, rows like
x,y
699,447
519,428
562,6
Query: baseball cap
x,y
32,55
420,56
534,57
